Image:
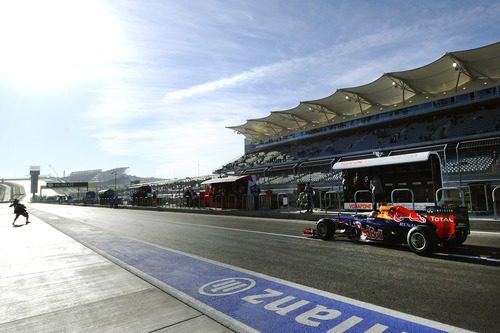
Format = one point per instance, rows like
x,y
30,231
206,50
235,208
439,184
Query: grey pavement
x,y
51,283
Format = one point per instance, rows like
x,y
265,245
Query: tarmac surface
x,y
51,283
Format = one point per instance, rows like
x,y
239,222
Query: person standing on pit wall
x,y
377,191
309,191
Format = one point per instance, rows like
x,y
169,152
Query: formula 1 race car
x,y
422,232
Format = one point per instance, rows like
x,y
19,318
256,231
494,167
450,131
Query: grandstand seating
x,y
472,165
96,176
282,180
83,176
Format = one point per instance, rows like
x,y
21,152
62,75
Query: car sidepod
x,y
372,229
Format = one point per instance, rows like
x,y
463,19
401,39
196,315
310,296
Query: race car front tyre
x,y
325,229
420,240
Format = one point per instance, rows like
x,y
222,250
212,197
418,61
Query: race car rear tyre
x,y
420,240
325,229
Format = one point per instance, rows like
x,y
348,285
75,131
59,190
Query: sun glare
x,y
52,43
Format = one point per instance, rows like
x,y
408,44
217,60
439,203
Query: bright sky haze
x,y
153,84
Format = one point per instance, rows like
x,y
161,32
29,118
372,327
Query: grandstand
x,y
97,176
451,106
83,176
107,178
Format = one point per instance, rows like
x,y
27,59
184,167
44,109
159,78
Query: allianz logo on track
x,y
225,287
283,305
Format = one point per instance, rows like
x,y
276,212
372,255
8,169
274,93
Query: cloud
x,y
214,85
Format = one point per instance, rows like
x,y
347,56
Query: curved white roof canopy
x,y
386,160
450,74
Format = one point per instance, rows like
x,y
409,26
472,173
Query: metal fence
x,y
476,170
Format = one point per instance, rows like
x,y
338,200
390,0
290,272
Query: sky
x,y
153,84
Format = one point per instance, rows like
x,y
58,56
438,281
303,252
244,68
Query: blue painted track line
x,y
255,301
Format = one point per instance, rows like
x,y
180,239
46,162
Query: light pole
x,y
115,196
114,173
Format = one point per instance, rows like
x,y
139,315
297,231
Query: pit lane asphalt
x,y
458,291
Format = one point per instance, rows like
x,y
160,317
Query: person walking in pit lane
x,y
19,209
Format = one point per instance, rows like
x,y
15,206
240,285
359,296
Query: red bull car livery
x,y
421,231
